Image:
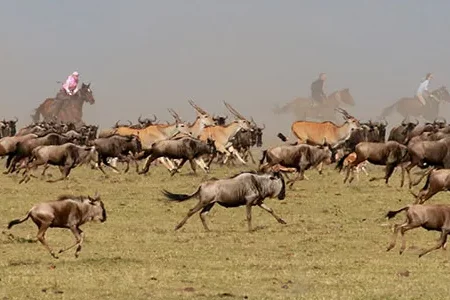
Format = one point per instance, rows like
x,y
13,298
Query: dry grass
x,y
333,246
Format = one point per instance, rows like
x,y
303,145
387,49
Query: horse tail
x,y
388,110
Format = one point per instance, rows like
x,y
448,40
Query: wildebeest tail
x,y
393,213
282,137
340,163
18,221
180,197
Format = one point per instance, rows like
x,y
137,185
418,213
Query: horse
x,y
302,107
71,110
411,107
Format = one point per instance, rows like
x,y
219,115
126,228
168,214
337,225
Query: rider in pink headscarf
x,y
71,84
68,89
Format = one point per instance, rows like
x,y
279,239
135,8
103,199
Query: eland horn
x,y
197,108
234,112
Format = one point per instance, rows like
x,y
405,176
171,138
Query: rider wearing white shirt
x,y
423,88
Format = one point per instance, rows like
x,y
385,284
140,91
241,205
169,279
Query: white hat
x,y
75,73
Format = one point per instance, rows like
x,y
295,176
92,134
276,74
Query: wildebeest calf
x,y
245,188
431,217
66,212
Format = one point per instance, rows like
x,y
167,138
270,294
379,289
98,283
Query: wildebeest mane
x,y
71,197
236,175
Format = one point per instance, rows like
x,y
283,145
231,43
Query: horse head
x,y
442,94
346,97
86,93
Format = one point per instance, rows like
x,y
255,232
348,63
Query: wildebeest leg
x,y
394,235
78,239
41,237
147,164
203,214
65,171
191,212
100,159
251,156
270,211
249,216
202,164
46,166
183,161
236,154
193,167
319,168
441,243
105,161
403,229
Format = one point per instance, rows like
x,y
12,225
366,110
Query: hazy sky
x,y
146,56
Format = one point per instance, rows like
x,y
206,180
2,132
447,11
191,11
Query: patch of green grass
x,y
333,246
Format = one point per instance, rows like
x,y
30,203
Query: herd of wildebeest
x,y
214,139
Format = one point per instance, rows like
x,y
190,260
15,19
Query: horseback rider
x,y
422,91
318,89
68,89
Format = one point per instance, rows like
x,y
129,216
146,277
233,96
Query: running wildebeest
x,y
66,212
390,154
185,148
437,181
66,157
301,157
431,217
245,188
117,146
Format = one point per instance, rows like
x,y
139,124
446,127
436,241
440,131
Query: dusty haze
x,y
146,56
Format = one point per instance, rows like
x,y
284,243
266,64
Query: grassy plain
x,y
333,246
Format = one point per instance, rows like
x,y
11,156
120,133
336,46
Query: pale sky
x,y
146,56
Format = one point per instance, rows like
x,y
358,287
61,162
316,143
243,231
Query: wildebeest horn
x,y
139,119
404,121
15,119
384,122
154,120
417,122
117,124
234,112
264,127
131,123
197,108
444,121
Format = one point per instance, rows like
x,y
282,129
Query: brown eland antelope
x,y
66,212
319,133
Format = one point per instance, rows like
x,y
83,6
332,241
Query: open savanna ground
x,y
333,246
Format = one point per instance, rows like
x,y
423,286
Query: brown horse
x,y
71,110
302,107
411,107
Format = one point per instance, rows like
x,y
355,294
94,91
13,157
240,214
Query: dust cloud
x,y
143,57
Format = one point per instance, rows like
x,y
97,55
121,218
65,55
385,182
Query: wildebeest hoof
x,y
54,255
372,179
281,221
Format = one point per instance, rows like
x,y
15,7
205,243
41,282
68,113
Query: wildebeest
x,y
301,157
431,217
437,181
184,148
66,157
391,154
24,148
245,188
220,120
429,153
116,146
66,212
401,133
